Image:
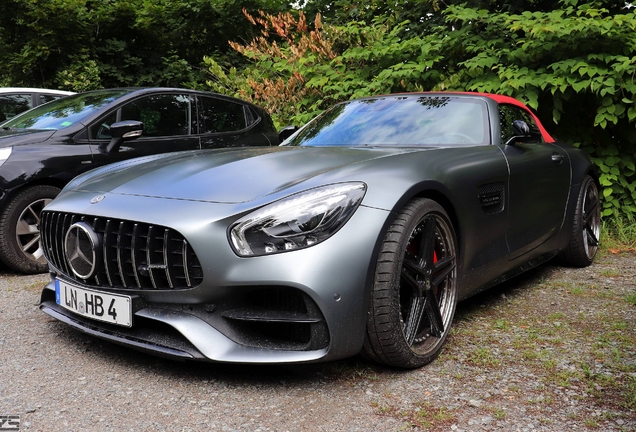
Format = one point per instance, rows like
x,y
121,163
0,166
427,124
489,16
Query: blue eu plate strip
x,y
57,291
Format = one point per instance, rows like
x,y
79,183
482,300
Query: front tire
x,y
586,227
415,288
20,246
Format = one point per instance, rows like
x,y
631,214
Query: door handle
x,y
557,158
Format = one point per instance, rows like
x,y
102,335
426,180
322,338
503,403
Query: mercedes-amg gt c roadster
x,y
359,233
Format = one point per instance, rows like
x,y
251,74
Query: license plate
x,y
97,305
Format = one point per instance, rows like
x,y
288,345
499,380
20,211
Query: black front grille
x,y
134,255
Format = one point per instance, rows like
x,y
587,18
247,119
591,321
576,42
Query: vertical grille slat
x,y
166,244
106,251
47,235
56,245
149,248
121,251
96,224
135,255
186,271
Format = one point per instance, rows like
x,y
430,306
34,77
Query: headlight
x,y
4,154
298,221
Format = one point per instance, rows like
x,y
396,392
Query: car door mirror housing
x,y
124,131
286,132
521,128
523,133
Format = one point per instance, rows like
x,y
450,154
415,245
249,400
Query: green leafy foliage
x,y
299,69
84,44
572,61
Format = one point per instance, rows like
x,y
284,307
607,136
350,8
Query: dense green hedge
x,y
575,65
574,61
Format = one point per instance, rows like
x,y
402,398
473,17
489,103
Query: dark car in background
x,y
14,100
360,232
41,150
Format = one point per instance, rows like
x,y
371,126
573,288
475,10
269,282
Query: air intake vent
x,y
492,197
132,255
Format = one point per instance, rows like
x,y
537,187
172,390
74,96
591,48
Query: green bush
x,y
574,65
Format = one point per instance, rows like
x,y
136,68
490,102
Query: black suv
x,y
43,149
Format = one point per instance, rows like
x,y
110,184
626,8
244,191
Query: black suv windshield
x,y
64,112
399,120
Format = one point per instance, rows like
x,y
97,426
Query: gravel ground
x,y
552,350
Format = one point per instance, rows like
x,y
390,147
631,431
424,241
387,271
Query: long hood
x,y
223,176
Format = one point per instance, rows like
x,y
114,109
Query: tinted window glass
x,y
221,116
162,115
101,130
510,113
64,112
399,121
44,98
12,104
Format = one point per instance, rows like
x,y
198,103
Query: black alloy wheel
x,y
415,288
586,226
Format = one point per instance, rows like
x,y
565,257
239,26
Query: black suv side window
x,y
162,115
222,116
12,104
510,113
45,97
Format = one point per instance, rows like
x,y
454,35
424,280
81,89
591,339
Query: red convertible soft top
x,y
501,99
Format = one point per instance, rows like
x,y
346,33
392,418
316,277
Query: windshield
x,y
64,112
398,121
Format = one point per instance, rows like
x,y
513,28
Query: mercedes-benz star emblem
x,y
97,199
83,249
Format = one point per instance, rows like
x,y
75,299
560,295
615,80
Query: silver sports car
x,y
360,233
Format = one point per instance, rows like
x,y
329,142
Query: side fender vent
x,y
492,197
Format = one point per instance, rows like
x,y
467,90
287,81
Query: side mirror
x,y
286,132
123,131
524,133
521,128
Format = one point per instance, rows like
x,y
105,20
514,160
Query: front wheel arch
x,y
435,192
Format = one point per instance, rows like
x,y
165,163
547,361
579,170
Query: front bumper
x,y
299,306
174,334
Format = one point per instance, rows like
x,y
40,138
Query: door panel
x,y
539,186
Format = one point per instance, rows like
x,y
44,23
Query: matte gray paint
x,y
202,193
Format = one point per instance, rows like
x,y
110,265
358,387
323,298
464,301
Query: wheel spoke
x,y
591,236
592,208
35,240
25,228
34,214
412,282
441,269
39,254
427,243
414,319
434,314
414,267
